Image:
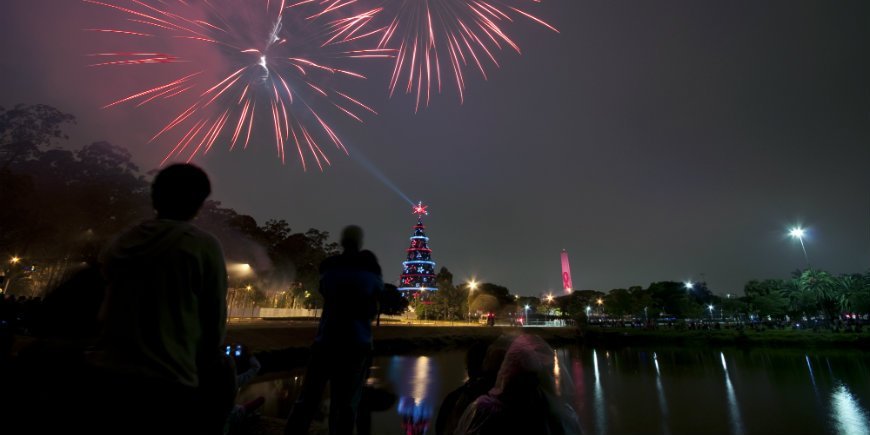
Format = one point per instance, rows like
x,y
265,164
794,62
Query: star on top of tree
x,y
420,209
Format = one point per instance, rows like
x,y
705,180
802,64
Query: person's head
x,y
474,358
495,354
179,191
527,370
352,238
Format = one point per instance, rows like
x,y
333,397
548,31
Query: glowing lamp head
x,y
710,307
689,285
15,260
797,232
527,307
472,285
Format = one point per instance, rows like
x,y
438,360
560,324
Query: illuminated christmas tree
x,y
418,274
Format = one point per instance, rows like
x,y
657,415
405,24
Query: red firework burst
x,y
274,59
435,37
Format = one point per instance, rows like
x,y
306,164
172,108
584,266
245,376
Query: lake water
x,y
644,391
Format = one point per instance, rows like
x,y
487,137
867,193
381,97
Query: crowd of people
x,y
134,342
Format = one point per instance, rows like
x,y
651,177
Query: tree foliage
x,y
60,206
26,130
392,302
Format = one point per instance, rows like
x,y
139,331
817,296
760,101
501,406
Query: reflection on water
x,y
416,416
417,408
669,391
660,392
847,413
736,421
598,395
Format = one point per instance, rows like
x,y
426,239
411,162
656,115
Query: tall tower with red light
x,y
567,286
418,270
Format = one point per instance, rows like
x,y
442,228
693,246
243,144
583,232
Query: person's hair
x,y
179,190
474,358
352,238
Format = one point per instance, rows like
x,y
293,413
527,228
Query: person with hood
x,y
351,284
164,316
482,363
525,398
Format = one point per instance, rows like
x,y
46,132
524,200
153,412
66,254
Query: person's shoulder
x,y
201,234
369,262
367,256
488,403
330,262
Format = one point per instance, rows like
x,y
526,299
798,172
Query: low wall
x,y
267,313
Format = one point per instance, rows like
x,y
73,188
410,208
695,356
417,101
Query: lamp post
x,y
600,302
9,274
710,308
527,315
251,297
472,286
799,233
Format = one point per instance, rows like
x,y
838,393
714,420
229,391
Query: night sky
x,y
654,140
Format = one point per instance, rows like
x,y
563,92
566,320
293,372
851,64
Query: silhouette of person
x,y
525,397
342,352
164,317
246,366
482,362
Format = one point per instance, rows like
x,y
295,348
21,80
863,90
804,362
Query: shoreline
x,y
290,340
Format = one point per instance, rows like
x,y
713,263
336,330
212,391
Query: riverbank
x,y
295,337
284,344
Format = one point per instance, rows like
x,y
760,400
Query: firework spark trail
x,y
431,34
288,74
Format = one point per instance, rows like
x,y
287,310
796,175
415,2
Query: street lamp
x,y
527,314
8,274
472,286
689,285
710,307
250,297
799,233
